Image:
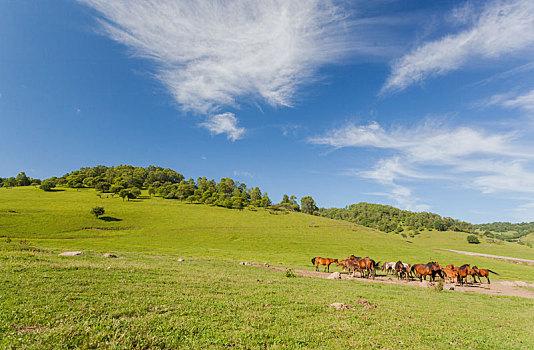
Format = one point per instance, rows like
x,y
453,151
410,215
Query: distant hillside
x,y
506,231
126,181
390,219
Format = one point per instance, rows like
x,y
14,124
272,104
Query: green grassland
x,y
147,299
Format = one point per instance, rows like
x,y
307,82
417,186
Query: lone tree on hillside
x,y
98,211
473,239
47,185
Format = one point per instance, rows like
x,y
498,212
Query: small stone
x,y
109,255
71,253
448,286
266,265
334,276
180,259
339,306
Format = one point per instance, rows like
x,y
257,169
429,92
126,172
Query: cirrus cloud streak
x,y
470,158
501,28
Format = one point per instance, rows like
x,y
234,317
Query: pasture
x,y
147,299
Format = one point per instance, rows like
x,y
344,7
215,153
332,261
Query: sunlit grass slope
x,y
61,220
152,302
146,299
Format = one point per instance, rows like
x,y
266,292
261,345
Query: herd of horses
x,y
367,268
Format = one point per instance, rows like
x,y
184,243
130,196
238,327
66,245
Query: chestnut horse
x,y
450,272
366,264
401,270
323,261
483,273
464,271
347,264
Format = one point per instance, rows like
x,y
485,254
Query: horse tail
x,y
313,261
494,272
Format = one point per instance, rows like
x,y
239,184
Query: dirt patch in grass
x,y
107,228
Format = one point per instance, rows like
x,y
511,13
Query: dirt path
x,y
491,256
506,288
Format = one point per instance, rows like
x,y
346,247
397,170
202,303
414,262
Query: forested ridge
x,y
505,230
127,181
390,219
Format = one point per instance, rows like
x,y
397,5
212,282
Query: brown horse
x,y
422,270
483,273
368,265
450,273
323,261
400,270
347,264
464,271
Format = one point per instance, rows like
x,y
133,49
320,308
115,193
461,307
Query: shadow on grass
x,y
56,190
109,218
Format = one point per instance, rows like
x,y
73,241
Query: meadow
x,y
147,299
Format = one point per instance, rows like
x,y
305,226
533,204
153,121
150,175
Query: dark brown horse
x,y
483,273
430,269
464,271
400,270
323,261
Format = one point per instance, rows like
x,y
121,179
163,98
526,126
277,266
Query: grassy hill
x,y
149,300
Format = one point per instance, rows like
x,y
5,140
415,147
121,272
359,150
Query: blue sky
x,y
421,105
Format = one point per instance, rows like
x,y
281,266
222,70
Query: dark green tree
x,y
47,185
473,239
22,179
307,205
98,211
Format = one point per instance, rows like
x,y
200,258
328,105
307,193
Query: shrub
x,y
438,287
473,239
98,211
290,273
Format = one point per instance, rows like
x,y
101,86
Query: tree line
x,y
506,231
390,219
127,182
20,180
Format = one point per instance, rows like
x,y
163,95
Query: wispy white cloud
x,y
428,142
224,123
386,172
476,159
210,53
525,101
243,173
501,28
514,72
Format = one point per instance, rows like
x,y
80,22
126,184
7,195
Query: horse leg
x,y
487,277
